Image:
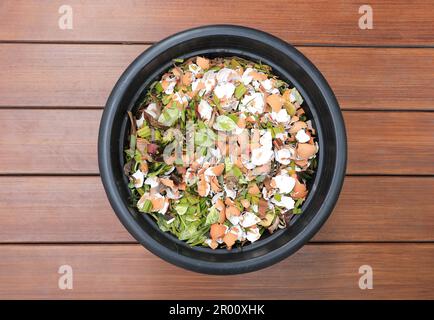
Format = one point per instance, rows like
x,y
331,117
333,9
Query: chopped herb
x,y
240,90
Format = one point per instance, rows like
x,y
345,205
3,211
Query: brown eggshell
x,y
275,102
266,168
258,75
262,207
245,203
229,202
230,239
177,72
218,169
300,190
202,186
297,126
157,204
241,122
301,163
195,165
253,189
187,78
202,62
305,150
232,211
219,204
167,182
164,84
217,231
214,244
144,167
215,186
222,215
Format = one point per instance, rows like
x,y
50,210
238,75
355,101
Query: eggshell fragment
x,y
241,123
283,182
302,164
177,72
218,170
222,216
253,234
253,189
202,62
284,156
232,211
167,182
297,126
230,238
300,190
187,78
217,231
214,183
229,202
302,136
138,178
286,202
157,203
262,207
144,167
259,76
305,150
213,244
219,204
203,187
249,219
245,203
275,102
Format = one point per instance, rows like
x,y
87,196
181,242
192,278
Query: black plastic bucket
x,y
320,105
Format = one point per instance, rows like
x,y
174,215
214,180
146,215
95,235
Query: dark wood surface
x,y
369,209
53,210
396,22
82,75
401,271
379,142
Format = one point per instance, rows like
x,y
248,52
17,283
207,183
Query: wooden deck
x,y
53,210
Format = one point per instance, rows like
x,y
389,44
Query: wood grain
x,y
49,141
53,213
382,209
400,271
75,209
390,142
303,22
57,209
65,142
48,75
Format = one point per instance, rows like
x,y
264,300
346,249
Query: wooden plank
x,y
326,22
49,141
83,75
369,209
382,209
65,142
373,78
400,271
57,209
61,75
390,142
